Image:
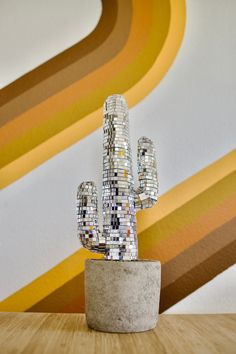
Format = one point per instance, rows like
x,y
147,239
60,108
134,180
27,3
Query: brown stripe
x,y
67,57
176,243
61,300
197,276
199,252
99,47
181,270
160,234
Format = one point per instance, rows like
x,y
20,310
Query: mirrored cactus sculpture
x,y
120,199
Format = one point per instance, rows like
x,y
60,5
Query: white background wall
x,y
190,116
33,31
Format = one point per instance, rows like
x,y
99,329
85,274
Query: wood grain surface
x,y
68,333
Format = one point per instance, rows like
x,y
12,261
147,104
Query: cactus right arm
x,y
87,216
146,194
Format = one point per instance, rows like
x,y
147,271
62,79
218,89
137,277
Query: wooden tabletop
x,y
68,333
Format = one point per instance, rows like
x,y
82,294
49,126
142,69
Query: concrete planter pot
x,y
122,296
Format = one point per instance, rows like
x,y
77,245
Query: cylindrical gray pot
x,y
122,296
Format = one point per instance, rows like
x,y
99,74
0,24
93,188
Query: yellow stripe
x,y
47,282
172,228
187,190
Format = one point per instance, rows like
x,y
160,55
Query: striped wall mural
x,y
192,229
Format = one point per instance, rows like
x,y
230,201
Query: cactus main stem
x,y
119,216
120,201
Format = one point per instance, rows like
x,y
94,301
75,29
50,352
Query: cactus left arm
x,y
87,217
146,194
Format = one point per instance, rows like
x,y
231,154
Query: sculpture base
x,y
122,296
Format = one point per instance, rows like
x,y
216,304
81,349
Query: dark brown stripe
x,y
95,50
199,252
67,57
196,277
184,216
61,299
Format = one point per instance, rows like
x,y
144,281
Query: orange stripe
x,y
197,253
170,236
187,190
173,245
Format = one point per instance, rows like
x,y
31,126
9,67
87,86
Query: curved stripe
x,y
99,47
92,121
70,105
63,60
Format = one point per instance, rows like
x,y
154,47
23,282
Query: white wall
x,y
191,118
217,296
33,31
